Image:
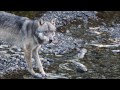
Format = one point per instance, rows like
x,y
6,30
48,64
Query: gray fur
x,y
28,34
11,27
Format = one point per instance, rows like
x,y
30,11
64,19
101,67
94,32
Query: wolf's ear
x,y
53,21
41,21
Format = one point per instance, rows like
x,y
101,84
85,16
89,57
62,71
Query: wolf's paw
x,y
44,75
37,75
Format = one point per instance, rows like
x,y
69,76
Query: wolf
x,y
27,34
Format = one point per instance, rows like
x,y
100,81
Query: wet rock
x,y
78,66
81,53
116,51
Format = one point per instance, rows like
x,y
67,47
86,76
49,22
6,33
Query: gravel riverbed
x,y
12,58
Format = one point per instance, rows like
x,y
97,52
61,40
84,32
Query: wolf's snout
x,y
50,41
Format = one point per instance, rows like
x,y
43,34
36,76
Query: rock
x,y
28,77
1,74
3,52
11,51
65,66
3,46
16,49
103,77
81,53
79,26
22,68
7,55
94,28
50,60
79,78
16,55
45,62
116,51
12,58
58,55
78,66
11,68
22,57
106,46
55,76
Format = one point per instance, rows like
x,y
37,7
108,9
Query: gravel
x,y
13,58
63,44
65,17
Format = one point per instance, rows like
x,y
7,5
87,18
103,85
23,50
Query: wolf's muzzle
x,y
50,41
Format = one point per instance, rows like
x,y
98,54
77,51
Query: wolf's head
x,y
45,30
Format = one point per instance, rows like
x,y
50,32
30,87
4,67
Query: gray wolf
x,y
27,34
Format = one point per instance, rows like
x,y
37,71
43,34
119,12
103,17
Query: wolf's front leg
x,y
28,57
37,58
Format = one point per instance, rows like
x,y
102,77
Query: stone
x,y
11,51
16,49
116,51
3,46
79,66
